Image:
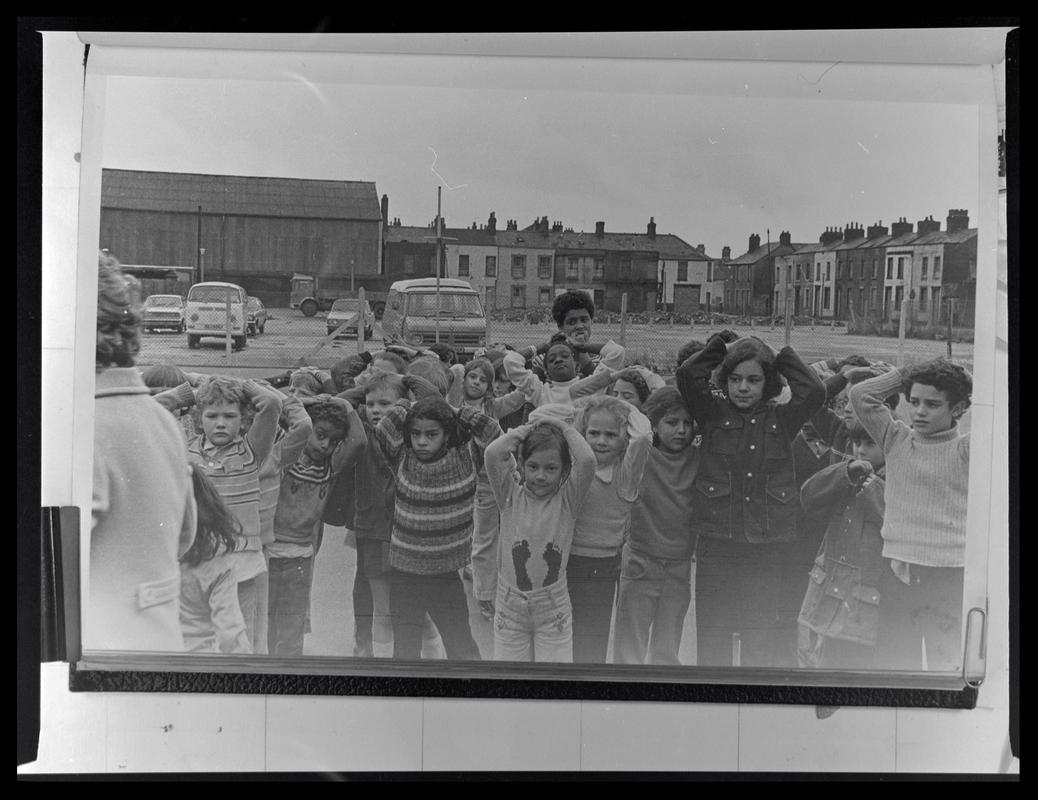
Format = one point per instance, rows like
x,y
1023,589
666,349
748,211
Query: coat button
x,y
749,474
747,499
753,422
753,447
711,488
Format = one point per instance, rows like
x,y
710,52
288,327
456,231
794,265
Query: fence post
x,y
623,319
227,325
362,320
901,334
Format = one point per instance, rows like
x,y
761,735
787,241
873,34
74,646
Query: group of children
x,y
571,497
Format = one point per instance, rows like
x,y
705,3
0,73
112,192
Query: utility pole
x,y
198,248
439,255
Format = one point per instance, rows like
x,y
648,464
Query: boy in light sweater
x,y
924,527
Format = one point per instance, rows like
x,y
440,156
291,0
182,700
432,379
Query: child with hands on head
x,y
620,437
924,526
563,385
656,565
746,498
540,474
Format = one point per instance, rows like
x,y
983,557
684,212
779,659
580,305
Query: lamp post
x,y
201,264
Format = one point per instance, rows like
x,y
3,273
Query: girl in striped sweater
x,y
435,452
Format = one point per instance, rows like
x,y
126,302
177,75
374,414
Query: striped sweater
x,y
432,519
927,481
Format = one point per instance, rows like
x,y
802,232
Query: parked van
x,y
207,312
415,311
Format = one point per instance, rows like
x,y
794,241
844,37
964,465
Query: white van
x,y
417,314
207,312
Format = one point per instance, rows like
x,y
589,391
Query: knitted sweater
x,y
432,520
927,480
662,517
288,445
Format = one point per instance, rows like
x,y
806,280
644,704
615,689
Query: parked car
x,y
208,305
164,311
344,310
255,315
420,312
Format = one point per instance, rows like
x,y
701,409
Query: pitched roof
x,y
667,245
753,256
411,233
184,192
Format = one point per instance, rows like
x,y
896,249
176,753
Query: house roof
x,y
667,245
762,252
413,234
183,192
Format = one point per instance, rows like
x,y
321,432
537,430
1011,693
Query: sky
x,y
710,169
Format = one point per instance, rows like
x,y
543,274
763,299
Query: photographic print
x,y
644,370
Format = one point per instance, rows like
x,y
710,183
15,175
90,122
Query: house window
x,y
839,269
463,265
491,299
899,296
935,298
872,298
409,264
571,268
625,269
709,272
599,298
544,295
900,267
875,268
886,302
826,297
922,272
519,266
491,267
936,267
518,296
599,271
828,274
818,272
890,268
922,299
683,271
839,299
544,267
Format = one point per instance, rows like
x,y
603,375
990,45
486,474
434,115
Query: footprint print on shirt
x,y
520,555
553,558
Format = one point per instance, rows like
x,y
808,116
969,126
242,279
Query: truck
x,y
312,293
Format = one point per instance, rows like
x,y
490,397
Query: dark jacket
x,y
842,601
746,486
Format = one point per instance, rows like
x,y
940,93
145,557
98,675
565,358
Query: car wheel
x,y
308,307
192,341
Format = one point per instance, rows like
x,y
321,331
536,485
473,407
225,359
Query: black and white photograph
x,y
638,369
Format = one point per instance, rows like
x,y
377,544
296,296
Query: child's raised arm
x,y
267,403
350,448
582,472
507,404
502,455
482,427
298,431
391,433
693,379
807,392
639,443
866,398
420,387
456,391
522,378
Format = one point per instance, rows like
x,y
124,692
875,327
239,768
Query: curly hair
x,y
637,380
118,318
329,411
569,301
603,402
436,409
222,389
744,350
216,528
543,435
560,338
945,376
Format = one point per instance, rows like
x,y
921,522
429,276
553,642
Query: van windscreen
x,y
212,294
423,304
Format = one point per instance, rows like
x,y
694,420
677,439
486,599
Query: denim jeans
x,y
411,597
485,525
248,602
533,626
928,609
373,626
592,589
654,597
288,604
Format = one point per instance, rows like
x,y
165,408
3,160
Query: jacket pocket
x,y
713,503
860,616
819,609
726,437
782,504
633,566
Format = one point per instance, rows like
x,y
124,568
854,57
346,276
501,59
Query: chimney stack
x,y
701,248
651,229
928,225
726,253
600,229
830,236
877,230
754,242
512,225
901,227
556,226
853,231
958,220
385,210
785,238
492,223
